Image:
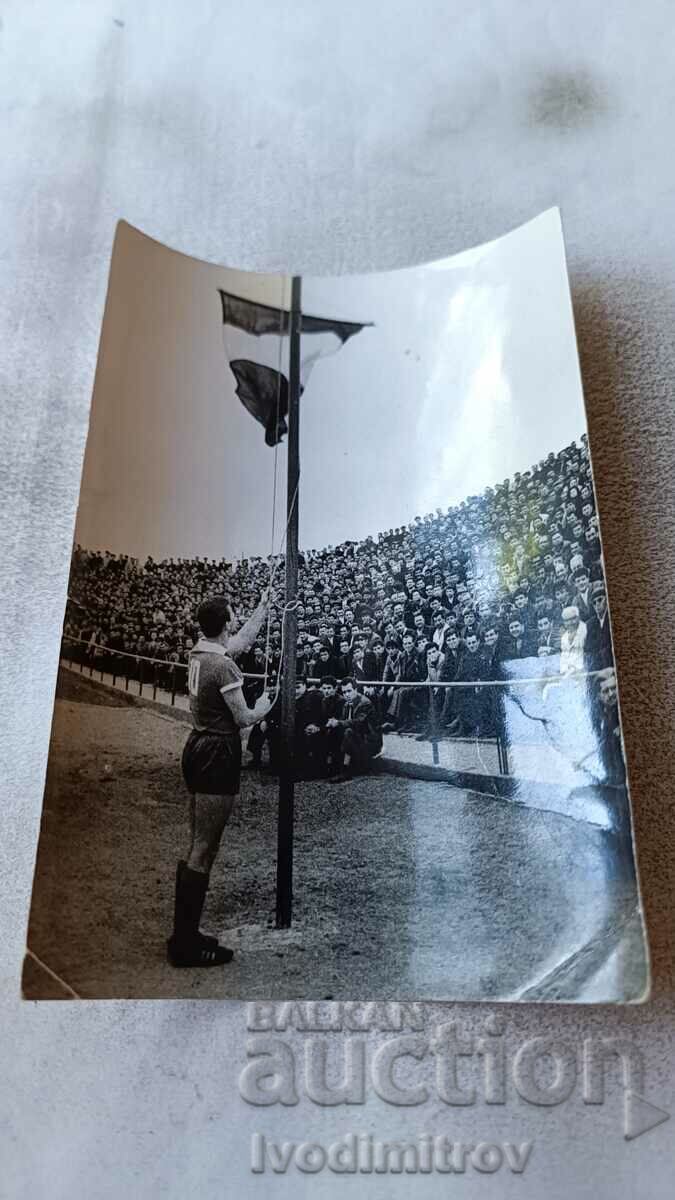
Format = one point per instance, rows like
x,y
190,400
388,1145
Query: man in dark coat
x,y
491,698
582,594
323,665
308,703
343,661
452,656
598,652
610,732
598,645
517,643
374,660
324,743
359,730
548,636
409,700
469,701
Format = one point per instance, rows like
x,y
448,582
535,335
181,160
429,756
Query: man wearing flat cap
x,y
598,647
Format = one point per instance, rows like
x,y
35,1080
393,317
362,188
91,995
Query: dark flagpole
x,y
288,665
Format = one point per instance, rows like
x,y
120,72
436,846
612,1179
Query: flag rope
x,y
288,607
272,567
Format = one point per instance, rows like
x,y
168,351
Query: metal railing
x,y
154,675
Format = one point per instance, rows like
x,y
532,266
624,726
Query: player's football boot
x,y
197,954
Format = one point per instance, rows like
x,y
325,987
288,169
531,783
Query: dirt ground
x,y
404,889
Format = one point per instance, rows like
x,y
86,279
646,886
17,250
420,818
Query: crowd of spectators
x,y
513,573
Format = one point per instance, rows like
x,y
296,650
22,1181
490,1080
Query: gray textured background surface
x,y
325,138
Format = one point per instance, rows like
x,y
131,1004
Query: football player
x,y
211,765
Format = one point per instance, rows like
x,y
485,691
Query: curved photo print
x,y
337,712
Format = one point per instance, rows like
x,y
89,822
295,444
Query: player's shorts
x,y
212,763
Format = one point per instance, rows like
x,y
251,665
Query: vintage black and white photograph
x,y
337,710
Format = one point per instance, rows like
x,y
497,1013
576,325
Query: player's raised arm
x,y
242,641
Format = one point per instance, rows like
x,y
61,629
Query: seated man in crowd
x,y
321,740
307,716
610,734
357,732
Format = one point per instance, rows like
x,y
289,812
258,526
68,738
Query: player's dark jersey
x,y
211,675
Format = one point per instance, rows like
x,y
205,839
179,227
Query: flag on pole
x,y
256,345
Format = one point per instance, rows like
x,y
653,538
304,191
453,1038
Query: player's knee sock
x,y
191,889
